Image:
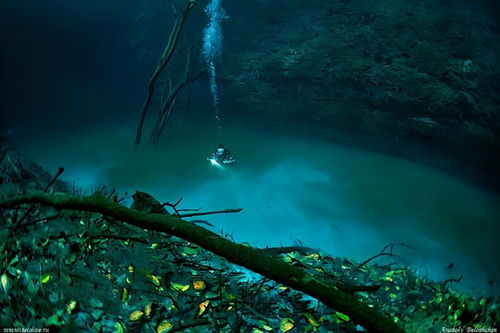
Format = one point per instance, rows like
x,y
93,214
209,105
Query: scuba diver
x,y
221,156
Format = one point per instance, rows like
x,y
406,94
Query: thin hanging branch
x,y
168,87
251,258
166,112
165,108
165,58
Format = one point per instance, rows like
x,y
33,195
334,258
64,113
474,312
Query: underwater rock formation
x,y
403,74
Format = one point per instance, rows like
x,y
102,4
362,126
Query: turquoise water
x,y
346,202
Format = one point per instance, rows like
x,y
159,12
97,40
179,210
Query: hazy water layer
x,y
344,201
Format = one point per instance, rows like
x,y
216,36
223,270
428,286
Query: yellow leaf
x,y
282,288
199,285
136,315
203,307
131,269
154,279
147,309
164,327
286,324
314,256
179,287
45,278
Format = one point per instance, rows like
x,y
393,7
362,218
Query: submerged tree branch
x,y
386,251
28,211
168,106
248,257
237,210
165,58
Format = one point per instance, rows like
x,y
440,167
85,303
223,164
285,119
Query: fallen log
x,y
248,257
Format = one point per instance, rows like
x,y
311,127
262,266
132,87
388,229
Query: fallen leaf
x,y
147,309
311,320
124,294
119,328
154,279
203,307
136,315
179,287
286,324
164,327
314,256
71,306
342,316
45,277
263,324
5,281
199,285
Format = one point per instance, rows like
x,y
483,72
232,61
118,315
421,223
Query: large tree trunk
x,y
253,259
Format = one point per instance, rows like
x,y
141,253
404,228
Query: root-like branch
x,y
165,58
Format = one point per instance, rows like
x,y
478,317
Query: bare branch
x,y
386,251
56,176
237,210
